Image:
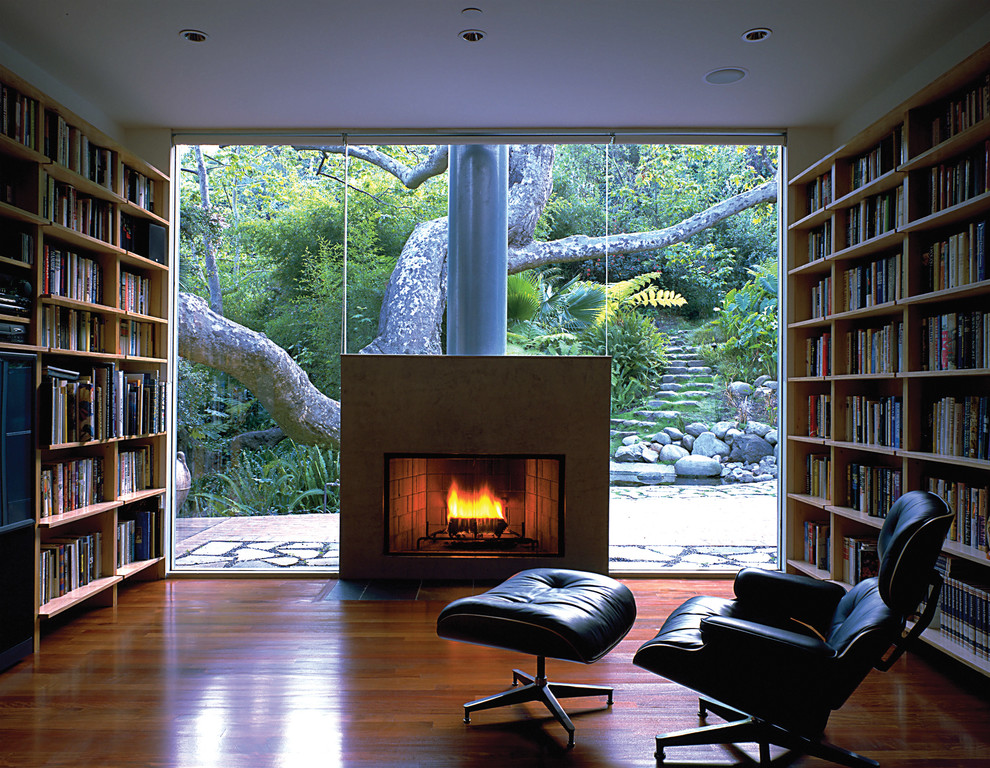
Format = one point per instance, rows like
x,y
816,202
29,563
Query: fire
x,y
476,503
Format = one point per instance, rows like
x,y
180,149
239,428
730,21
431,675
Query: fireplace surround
x,y
411,423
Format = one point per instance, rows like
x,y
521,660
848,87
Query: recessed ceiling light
x,y
756,34
725,75
472,35
471,13
194,35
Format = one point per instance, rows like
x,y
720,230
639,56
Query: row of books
x,y
876,281
135,470
955,341
880,159
820,416
962,111
68,563
818,354
960,426
77,330
137,538
63,205
16,244
70,147
959,259
139,189
817,543
874,216
860,559
105,403
874,421
67,274
875,350
872,490
71,485
820,242
969,502
19,117
964,606
819,192
819,475
958,181
135,293
137,339
821,298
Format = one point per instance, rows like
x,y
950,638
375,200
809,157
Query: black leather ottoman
x,y
563,614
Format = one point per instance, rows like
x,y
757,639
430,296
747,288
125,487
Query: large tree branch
x,y
581,247
434,164
303,412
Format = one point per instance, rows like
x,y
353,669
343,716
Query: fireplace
x,y
527,434
482,504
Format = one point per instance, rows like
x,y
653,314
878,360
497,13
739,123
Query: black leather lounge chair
x,y
775,661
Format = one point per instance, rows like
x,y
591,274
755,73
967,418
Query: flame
x,y
479,503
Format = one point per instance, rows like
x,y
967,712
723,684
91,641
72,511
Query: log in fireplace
x,y
531,431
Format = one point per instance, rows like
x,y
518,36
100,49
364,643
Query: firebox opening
x,y
497,505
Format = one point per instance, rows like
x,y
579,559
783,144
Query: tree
x,y
412,311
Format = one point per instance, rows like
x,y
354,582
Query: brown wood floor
x,y
254,673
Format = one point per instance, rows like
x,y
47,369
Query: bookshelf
x,y
888,350
84,294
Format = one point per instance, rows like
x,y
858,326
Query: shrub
x,y
746,323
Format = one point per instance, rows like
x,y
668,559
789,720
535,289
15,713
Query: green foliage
x,y
638,354
286,479
746,325
640,291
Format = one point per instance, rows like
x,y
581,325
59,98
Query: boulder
x,y
674,433
640,474
722,427
740,389
672,453
662,438
771,437
687,442
630,439
698,466
695,428
707,444
757,428
750,449
640,452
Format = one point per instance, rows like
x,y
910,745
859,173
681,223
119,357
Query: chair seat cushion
x,y
563,614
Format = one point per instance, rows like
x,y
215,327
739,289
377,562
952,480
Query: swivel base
x,y
539,689
741,728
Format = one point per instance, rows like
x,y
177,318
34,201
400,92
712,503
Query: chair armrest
x,y
788,596
751,640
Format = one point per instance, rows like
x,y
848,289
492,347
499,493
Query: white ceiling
x,y
393,64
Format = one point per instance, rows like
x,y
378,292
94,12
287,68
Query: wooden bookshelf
x,y
908,206
84,223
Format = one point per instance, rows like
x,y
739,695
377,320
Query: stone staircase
x,y
686,382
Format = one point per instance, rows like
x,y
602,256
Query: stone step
x,y
661,398
655,416
700,370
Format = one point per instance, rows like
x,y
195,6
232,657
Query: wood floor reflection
x,y
256,673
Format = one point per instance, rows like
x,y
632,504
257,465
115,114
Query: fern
x,y
639,291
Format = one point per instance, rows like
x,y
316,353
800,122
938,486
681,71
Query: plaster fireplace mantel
x,y
547,413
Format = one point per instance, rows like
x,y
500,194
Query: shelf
x,y
881,450
888,240
939,458
54,521
84,306
80,183
808,569
15,263
966,553
8,211
953,373
133,209
888,181
949,148
817,266
959,292
79,240
15,319
131,569
952,215
813,219
936,639
817,168
811,501
9,146
887,309
77,596
854,514
149,493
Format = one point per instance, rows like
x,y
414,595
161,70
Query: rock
x,y
640,474
662,438
772,385
731,435
687,442
674,433
760,381
695,428
672,453
771,437
707,444
698,466
635,453
630,439
750,449
740,389
722,427
757,428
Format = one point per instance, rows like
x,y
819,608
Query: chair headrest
x,y
909,544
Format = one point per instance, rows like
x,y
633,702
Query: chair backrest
x,y
909,544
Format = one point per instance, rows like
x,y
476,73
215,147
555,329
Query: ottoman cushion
x,y
562,614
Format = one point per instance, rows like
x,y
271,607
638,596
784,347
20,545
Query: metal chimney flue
x,y
477,257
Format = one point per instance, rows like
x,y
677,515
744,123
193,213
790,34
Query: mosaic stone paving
x,y
679,527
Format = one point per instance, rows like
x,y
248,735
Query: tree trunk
x,y
210,262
